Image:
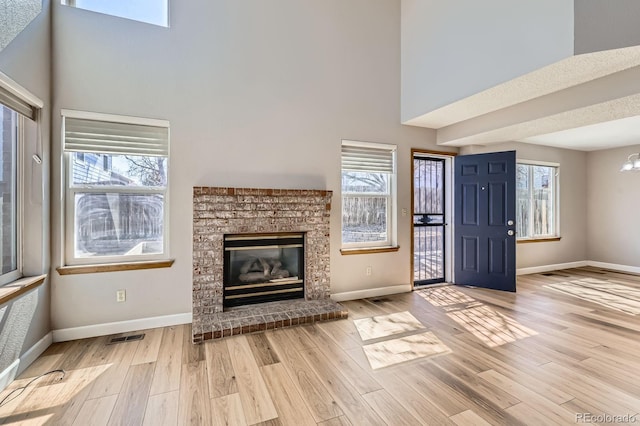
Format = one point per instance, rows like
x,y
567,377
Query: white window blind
x,y
110,137
15,103
360,158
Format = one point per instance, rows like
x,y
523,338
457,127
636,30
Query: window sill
x,y
539,240
370,250
114,267
14,289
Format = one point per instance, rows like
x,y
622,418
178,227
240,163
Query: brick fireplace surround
x,y
220,211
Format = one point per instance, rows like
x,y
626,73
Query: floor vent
x,y
554,274
380,300
123,339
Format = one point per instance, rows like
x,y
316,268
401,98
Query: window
x,y
16,106
150,11
537,201
368,194
117,195
9,201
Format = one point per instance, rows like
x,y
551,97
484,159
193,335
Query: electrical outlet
x,y
369,270
121,295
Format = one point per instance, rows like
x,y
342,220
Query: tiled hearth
x,y
221,211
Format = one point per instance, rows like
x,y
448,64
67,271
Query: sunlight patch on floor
x,y
386,325
39,401
489,326
615,296
445,296
396,351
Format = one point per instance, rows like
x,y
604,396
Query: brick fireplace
x,y
219,212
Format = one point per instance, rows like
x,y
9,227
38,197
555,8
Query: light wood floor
x,y
579,357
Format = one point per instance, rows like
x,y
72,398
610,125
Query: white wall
x,y
259,94
602,25
573,207
613,203
453,49
25,320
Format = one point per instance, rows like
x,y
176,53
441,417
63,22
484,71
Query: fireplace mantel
x,y
221,211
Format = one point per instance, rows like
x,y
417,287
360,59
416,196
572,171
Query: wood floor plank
x,y
345,336
190,352
347,397
194,405
270,422
70,393
467,395
162,409
117,365
261,349
222,380
149,347
96,412
590,389
469,418
132,400
255,398
361,378
309,385
413,401
530,415
496,361
299,339
547,408
493,393
336,421
166,377
227,410
578,406
389,409
288,402
28,405
44,363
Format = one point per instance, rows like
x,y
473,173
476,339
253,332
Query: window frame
x,y
166,24
70,191
18,174
390,196
530,237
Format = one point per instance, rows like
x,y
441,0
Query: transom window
x,y
368,194
117,179
154,12
537,201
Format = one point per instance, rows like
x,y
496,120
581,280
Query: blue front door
x,y
484,211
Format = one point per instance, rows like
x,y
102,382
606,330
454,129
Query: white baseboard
x,y
20,364
35,351
373,292
615,267
547,268
9,374
105,329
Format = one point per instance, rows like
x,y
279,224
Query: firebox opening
x,y
262,268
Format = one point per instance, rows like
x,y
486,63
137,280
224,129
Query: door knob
x,y
510,232
510,222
